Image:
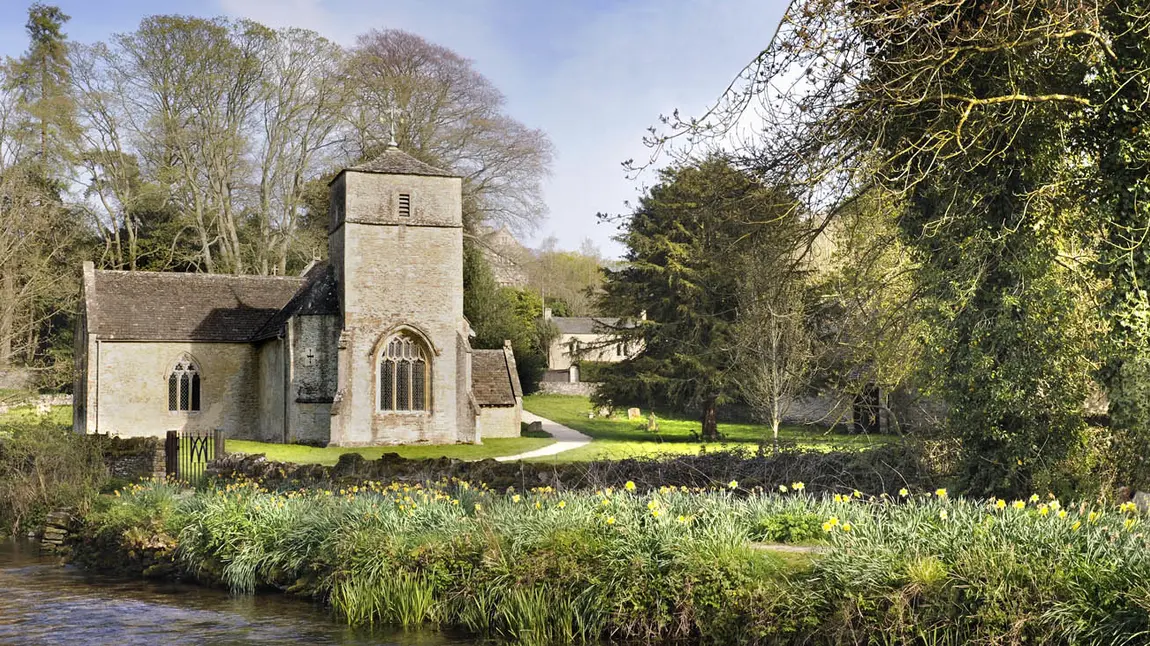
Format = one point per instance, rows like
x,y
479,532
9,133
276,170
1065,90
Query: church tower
x,y
396,244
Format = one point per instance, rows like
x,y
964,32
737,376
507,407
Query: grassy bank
x,y
617,437
329,455
540,567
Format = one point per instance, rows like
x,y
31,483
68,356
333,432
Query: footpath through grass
x,y
616,437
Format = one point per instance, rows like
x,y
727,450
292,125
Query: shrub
x,y
43,467
788,527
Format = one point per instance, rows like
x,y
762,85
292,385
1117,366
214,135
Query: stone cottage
x,y
367,348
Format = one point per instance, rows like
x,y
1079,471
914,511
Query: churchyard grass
x,y
547,567
616,437
60,415
301,454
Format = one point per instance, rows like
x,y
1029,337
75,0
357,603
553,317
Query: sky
x,y
592,74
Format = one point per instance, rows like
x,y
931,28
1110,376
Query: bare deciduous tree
x,y
451,116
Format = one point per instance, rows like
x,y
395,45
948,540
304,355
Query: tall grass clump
x,y
674,564
44,466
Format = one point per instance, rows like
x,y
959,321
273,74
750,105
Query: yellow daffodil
x,y
610,520
782,488
1128,523
656,513
515,498
478,507
562,504
1000,503
856,493
1062,513
846,527
827,526
798,486
1033,498
629,486
903,492
943,515
682,519
1092,516
1018,504
1043,510
1076,525
941,493
734,484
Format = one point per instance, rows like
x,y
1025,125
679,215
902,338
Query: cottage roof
x,y
170,306
319,295
583,324
396,162
494,379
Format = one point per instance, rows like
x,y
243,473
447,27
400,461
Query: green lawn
x,y
329,455
617,437
61,415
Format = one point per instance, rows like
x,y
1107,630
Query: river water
x,y
42,602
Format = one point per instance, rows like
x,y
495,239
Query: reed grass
x,y
542,567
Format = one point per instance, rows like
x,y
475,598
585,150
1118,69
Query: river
x,y
42,602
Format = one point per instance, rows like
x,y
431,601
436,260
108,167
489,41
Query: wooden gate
x,y
187,453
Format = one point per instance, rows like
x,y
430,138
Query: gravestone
x,y
1142,501
604,411
634,413
535,427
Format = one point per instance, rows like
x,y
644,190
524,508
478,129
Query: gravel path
x,y
566,439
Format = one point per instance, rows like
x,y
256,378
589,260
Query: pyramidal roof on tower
x,y
396,162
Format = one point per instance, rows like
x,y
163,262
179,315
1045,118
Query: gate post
x,y
172,454
218,443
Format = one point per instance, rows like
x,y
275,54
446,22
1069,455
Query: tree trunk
x,y
710,421
7,305
775,430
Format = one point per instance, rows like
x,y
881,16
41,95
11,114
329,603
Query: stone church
x,y
370,347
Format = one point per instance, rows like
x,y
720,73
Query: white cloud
x,y
594,78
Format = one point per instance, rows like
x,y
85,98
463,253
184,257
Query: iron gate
x,y
187,453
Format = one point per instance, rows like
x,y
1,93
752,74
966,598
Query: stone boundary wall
x,y
582,388
135,458
884,468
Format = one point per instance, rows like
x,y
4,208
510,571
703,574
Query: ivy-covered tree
x,y
1120,140
685,241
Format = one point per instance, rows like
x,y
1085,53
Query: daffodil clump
x,y
569,567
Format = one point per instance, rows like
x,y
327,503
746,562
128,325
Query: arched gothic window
x,y
404,373
184,387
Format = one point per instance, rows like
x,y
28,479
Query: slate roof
x,y
494,380
396,162
583,324
319,295
169,306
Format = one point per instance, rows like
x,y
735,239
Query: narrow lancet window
x,y
184,387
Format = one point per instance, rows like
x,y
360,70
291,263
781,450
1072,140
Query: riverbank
x,y
44,603
546,567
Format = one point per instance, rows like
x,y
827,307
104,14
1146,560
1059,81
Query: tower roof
x,y
394,161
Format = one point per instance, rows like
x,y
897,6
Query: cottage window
x,y
404,373
184,387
